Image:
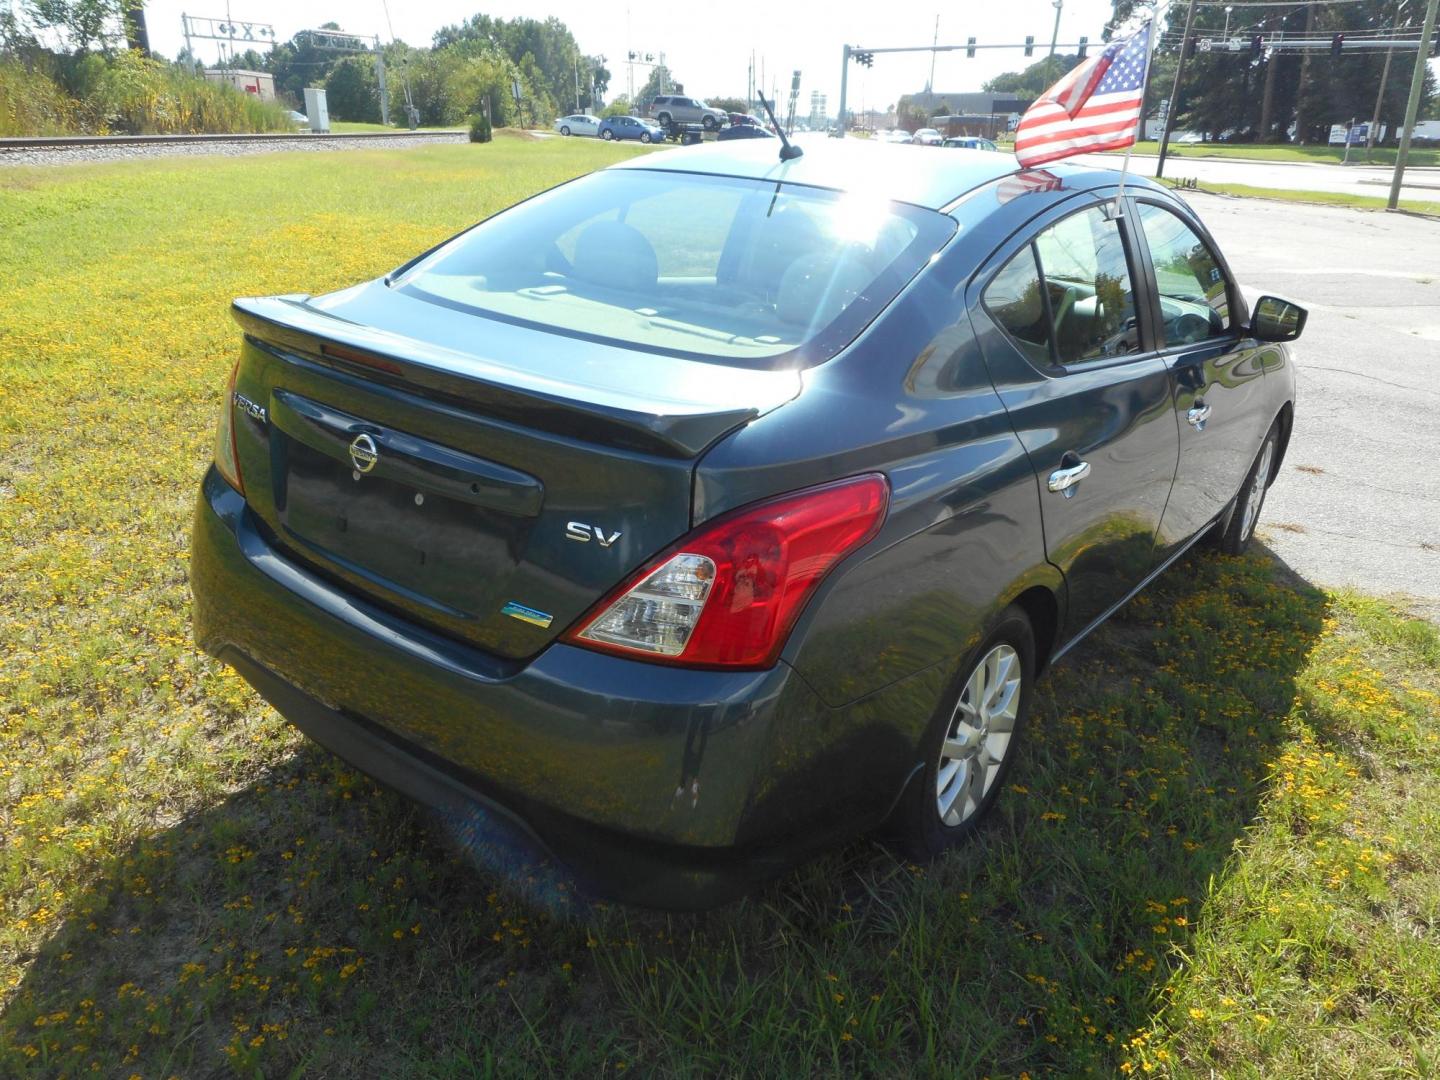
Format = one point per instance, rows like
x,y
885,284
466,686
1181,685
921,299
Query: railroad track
x,y
100,142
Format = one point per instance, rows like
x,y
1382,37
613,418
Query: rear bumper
x,y
662,786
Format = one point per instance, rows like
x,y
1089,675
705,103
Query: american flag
x,y
1095,107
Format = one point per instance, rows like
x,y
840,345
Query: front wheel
x,y
709,123
1239,530
565,131
607,135
645,136
971,742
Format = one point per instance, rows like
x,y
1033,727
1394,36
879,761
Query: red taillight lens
x,y
226,459
728,594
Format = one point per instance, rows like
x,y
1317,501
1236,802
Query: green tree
x,y
82,23
352,91
1035,79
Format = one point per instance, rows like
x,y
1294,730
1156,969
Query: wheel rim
x,y
1255,497
565,131
978,737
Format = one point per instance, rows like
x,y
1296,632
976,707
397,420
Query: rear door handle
x,y
1198,415
1065,479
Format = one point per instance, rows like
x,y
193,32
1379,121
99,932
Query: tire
x,y
1238,529
607,135
644,136
565,131
709,123
944,804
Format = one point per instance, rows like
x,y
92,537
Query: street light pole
x,y
1412,109
1055,35
1175,93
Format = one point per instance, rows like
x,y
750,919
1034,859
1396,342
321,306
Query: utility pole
x,y
1412,108
1174,109
930,86
380,80
1304,76
1055,34
1267,98
1370,135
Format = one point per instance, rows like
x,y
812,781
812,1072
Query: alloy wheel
x,y
979,734
1255,497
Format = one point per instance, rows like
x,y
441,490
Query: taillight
x,y
728,594
226,460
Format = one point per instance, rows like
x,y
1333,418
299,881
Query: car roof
x,y
892,172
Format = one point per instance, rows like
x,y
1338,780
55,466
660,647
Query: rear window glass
x,y
710,268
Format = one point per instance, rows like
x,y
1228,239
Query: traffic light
x,y
1189,46
970,47
1336,44
1084,44
864,59
1257,47
1029,44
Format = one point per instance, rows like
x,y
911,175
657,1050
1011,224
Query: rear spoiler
x,y
675,417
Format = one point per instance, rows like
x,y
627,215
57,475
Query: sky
x,y
708,48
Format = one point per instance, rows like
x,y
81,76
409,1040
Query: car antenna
x,y
788,150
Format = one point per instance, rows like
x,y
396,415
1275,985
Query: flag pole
x,y
1140,121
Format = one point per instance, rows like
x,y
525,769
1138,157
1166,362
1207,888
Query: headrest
x,y
615,255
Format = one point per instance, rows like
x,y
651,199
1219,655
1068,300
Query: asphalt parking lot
x,y
1358,501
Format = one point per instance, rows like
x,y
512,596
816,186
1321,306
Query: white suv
x,y
671,108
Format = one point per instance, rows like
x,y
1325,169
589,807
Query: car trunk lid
x,y
489,481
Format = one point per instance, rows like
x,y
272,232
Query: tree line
x,y
1271,96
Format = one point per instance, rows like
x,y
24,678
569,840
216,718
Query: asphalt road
x,y
1358,500
1422,184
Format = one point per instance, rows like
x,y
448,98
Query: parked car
x,y
971,142
578,124
928,137
743,131
555,526
630,127
898,136
671,108
299,119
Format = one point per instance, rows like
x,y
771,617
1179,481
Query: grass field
x,y
1327,155
1320,198
1217,857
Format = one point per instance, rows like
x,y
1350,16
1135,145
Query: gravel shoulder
x,y
135,151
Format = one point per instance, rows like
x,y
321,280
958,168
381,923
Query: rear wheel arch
x,y
1043,610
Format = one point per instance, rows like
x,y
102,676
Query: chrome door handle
x,y
1066,479
1198,415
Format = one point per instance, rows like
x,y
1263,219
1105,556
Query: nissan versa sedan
x,y
710,509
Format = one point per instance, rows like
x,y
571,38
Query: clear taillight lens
x,y
226,460
728,594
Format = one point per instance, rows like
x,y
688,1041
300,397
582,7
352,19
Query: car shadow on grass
x,y
312,922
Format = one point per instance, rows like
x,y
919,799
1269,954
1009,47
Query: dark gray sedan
x,y
710,509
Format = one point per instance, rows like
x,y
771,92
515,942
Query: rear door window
x,y
1089,287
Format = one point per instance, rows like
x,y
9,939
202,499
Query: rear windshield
x,y
710,268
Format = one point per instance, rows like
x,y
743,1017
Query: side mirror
x,y
1277,320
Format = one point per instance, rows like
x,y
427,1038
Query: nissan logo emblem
x,y
363,453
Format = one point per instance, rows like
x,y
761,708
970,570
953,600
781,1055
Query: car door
x,y
1066,336
1216,372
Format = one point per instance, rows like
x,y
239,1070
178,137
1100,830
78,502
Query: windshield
x,y
705,267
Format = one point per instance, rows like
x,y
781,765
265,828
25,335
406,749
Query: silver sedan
x,y
578,124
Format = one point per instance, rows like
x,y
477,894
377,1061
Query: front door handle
x,y
1198,415
1064,480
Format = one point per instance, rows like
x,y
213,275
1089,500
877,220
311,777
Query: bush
x,y
480,128
31,103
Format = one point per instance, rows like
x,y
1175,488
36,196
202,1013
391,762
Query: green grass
x,y
1318,198
1217,856
1329,155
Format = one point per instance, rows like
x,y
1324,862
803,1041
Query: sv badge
x,y
579,531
